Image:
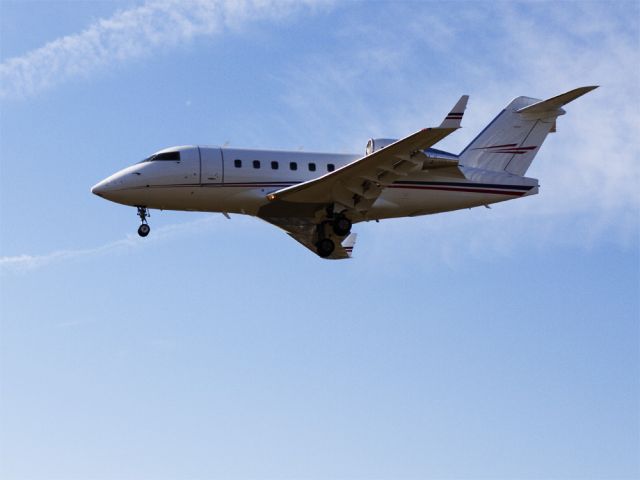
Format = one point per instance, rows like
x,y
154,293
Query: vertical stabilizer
x,y
512,140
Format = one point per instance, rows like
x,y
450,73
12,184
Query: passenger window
x,y
256,164
293,165
237,163
330,167
312,167
274,165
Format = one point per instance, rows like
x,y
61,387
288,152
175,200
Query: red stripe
x,y
498,146
517,152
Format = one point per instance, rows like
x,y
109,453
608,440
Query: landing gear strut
x,y
324,245
144,229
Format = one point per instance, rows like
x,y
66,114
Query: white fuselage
x,y
231,180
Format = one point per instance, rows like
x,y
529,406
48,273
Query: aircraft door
x,y
211,165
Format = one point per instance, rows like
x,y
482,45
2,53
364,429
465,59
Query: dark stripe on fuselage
x,y
462,187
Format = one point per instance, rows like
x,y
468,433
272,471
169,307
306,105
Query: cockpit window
x,y
168,156
175,156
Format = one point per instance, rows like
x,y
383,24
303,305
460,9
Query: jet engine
x,y
377,143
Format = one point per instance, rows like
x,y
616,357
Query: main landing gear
x,y
341,227
144,229
325,247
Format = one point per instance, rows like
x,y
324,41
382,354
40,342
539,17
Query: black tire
x,y
341,226
143,230
325,247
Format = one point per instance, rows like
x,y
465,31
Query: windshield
x,y
174,156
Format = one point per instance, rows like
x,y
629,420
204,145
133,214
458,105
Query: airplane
x,y
317,197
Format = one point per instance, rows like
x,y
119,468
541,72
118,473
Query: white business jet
x,y
316,197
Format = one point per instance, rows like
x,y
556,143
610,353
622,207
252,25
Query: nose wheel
x,y
144,229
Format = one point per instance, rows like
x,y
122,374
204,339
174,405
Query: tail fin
x,y
511,141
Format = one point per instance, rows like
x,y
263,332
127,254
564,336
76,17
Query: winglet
x,y
349,242
555,103
455,115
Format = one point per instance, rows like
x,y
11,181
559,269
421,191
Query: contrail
x,y
130,34
25,262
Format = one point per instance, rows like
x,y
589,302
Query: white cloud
x,y
25,263
390,82
131,34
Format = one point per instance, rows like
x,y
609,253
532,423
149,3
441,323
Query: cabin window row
x,y
275,165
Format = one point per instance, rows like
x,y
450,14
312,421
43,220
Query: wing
x,y
307,211
356,186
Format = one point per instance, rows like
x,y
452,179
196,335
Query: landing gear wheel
x,y
325,247
143,230
341,226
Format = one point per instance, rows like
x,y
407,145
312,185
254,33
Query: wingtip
x,y
586,89
454,118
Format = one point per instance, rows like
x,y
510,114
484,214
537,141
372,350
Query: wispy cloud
x,y
134,33
391,82
25,263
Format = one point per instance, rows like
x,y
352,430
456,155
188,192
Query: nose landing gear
x,y
144,229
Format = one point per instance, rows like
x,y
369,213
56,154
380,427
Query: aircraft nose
x,y
99,188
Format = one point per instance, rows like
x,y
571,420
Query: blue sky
x,y
498,343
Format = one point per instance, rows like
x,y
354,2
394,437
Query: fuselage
x,y
232,180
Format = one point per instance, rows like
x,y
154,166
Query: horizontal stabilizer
x,y
512,139
454,118
553,104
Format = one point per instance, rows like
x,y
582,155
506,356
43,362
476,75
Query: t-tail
x,y
512,140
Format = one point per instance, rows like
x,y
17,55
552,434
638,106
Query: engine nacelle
x,y
378,143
